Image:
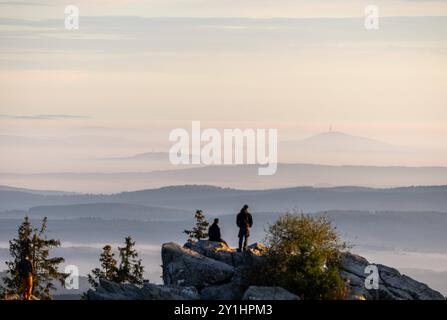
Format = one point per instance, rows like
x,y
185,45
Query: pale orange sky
x,y
225,8
126,68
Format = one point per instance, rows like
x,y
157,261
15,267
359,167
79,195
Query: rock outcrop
x,y
268,293
186,267
212,271
221,252
227,291
108,290
212,267
392,284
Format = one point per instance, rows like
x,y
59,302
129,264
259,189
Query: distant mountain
x,y
339,141
307,199
32,191
331,140
110,210
154,157
238,176
339,148
220,201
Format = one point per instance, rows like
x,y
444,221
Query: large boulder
x,y
159,292
268,293
392,284
108,290
227,291
186,267
221,252
215,250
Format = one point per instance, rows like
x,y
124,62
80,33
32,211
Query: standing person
x,y
214,232
244,221
25,269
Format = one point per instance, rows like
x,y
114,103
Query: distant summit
x,y
340,141
340,148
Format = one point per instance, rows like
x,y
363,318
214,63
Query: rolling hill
x,y
219,201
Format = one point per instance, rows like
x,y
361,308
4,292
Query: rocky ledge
x,y
212,271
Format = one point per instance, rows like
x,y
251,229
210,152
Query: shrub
x,y
304,256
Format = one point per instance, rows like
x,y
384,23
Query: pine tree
x,y
200,230
130,269
18,248
109,269
34,243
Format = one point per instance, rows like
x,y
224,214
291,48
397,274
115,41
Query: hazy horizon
x,y
83,100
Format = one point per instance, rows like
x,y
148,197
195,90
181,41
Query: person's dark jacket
x,y
25,268
244,221
214,233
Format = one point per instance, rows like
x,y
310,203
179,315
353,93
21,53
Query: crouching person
x,y
214,232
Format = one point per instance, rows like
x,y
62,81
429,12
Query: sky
x,y
88,100
137,69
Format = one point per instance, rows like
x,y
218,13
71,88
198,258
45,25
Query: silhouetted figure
x,y
214,232
244,221
25,269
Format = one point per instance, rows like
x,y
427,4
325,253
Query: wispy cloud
x,y
112,35
23,3
44,117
